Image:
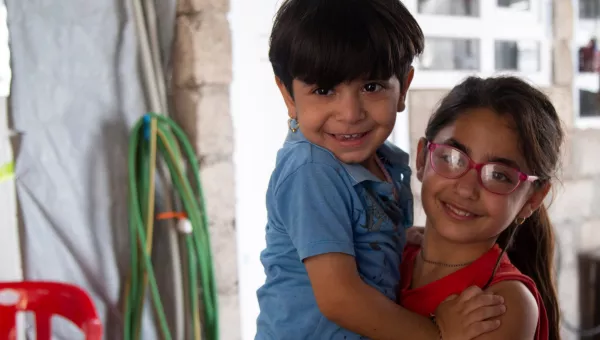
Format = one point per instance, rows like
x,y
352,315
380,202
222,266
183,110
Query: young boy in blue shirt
x,y
339,199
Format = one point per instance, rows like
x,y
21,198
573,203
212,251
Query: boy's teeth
x,y
352,136
458,212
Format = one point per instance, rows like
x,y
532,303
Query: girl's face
x,y
461,210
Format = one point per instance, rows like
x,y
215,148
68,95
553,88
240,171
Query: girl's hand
x,y
469,315
414,235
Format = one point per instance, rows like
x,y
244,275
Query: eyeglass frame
x,y
523,177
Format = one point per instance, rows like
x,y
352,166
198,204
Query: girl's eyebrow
x,y
490,158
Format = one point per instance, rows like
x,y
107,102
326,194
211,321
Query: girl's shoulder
x,y
525,315
524,304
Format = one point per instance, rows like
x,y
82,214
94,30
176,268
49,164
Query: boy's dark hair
x,y
529,246
327,42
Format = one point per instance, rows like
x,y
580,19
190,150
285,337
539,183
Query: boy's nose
x,y
351,110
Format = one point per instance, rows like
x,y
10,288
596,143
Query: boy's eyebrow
x,y
490,158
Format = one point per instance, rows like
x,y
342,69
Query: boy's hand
x,y
469,315
414,235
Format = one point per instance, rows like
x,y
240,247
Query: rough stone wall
x,y
576,220
201,77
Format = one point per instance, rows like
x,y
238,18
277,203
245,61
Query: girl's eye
x,y
501,177
373,87
323,92
446,158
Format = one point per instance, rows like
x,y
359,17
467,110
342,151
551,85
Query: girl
x,y
486,163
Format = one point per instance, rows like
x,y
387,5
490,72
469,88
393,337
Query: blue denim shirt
x,y
316,205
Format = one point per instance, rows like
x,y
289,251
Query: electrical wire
x,y
153,79
154,136
583,332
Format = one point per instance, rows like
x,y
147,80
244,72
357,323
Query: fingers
x,y
485,313
481,300
482,327
470,314
450,298
470,293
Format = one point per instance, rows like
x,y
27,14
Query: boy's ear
x,y
421,158
287,98
404,91
535,201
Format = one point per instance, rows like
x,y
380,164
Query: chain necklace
x,y
443,264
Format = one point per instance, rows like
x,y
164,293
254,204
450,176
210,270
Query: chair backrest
x,y
46,299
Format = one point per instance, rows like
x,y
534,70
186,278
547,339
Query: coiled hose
x,y
153,136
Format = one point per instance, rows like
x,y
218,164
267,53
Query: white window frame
x,y
588,81
494,23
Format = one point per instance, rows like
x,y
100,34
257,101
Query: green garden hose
x,y
153,136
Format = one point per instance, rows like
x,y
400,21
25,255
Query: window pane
x,y
589,104
523,56
589,9
446,54
449,7
517,5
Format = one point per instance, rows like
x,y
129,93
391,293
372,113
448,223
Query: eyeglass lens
x,y
453,163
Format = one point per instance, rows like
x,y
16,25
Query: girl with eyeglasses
x,y
486,164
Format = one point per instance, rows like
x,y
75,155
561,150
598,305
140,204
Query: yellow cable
x,y
154,134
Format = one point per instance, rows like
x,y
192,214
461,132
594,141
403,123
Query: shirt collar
x,y
389,153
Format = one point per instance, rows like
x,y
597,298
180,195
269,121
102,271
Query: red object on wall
x,y
46,299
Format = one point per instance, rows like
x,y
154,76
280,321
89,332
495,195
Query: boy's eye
x,y
372,87
323,92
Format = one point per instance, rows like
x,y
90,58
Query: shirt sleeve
x,y
315,205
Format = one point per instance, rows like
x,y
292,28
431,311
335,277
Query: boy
x,y
339,199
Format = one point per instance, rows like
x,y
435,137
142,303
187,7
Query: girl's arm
x,y
344,298
522,313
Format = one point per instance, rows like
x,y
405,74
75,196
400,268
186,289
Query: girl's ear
x,y
535,201
421,158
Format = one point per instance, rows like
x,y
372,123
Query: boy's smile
x,y
351,139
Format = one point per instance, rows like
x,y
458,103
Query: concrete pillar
x,y
201,77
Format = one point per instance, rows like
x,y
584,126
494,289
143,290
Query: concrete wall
x,y
577,222
201,78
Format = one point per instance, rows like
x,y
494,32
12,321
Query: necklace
x,y
443,264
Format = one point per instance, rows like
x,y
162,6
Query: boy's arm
x,y
348,301
354,305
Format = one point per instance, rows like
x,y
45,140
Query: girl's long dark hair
x,y
529,246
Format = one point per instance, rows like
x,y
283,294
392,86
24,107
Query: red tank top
x,y
424,300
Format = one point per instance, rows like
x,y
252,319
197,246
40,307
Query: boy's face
x,y
352,119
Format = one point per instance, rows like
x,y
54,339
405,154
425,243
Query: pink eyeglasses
x,y
497,178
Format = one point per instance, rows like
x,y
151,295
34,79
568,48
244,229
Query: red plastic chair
x,y
46,299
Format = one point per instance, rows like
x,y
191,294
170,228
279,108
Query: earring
x,y
520,220
293,125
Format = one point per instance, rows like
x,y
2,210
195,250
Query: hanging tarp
x,y
76,91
